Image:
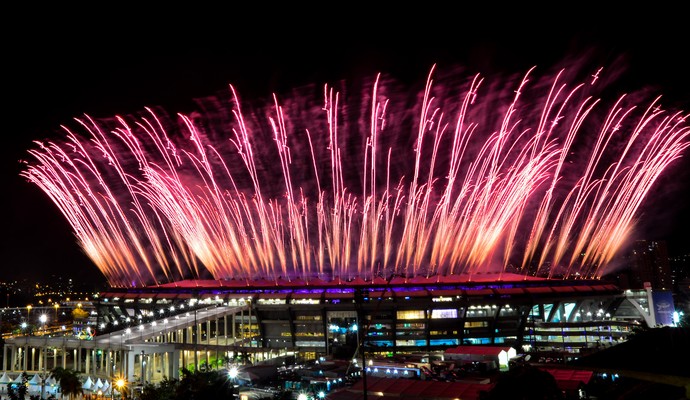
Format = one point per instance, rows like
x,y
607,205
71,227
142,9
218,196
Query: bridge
x,y
196,339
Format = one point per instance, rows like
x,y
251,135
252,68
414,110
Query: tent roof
x,y
87,384
5,378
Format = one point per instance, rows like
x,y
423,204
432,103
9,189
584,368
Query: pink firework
x,y
466,180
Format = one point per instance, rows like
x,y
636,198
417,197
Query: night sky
x,y
68,67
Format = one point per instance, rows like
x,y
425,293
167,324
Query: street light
x,y
43,318
120,384
56,305
233,373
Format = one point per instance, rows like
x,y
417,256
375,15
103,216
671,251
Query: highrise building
x,y
651,264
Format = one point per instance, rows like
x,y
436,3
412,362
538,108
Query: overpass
x,y
196,339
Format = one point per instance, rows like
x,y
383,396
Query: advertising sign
x,y
663,307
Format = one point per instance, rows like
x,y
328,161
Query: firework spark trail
x,y
163,245
661,148
148,210
95,215
447,215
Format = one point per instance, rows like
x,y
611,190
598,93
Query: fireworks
x,y
465,180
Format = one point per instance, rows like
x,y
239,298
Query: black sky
x,y
58,68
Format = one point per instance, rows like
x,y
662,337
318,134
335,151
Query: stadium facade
x,y
148,334
317,318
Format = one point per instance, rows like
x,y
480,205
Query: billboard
x,y
663,307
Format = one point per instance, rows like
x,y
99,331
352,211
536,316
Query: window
x,y
411,314
444,313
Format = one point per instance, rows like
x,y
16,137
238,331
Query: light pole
x,y
44,375
28,315
143,366
56,305
196,341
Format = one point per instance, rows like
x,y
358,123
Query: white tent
x,y
106,388
51,386
35,384
35,380
98,385
4,380
18,379
88,384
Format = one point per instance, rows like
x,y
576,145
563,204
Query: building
x,y
651,264
319,318
147,334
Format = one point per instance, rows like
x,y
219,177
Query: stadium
x,y
316,319
372,224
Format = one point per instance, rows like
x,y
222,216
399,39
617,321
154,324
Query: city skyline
x,y
38,234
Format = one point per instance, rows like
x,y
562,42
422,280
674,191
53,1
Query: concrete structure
x,y
400,315
148,353
146,334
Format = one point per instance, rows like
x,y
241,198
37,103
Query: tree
x,y
204,386
163,391
195,385
70,384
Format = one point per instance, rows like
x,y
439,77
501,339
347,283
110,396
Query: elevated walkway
x,y
147,352
160,327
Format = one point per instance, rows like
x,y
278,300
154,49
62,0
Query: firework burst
x,y
465,180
